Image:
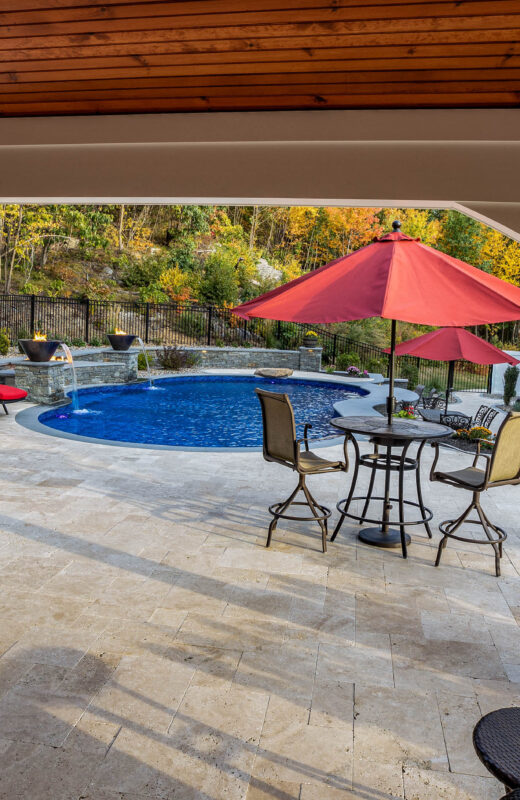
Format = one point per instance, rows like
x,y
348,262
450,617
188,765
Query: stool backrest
x,y
279,437
505,461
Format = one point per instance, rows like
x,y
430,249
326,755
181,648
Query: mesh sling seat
x,y
281,445
502,468
496,739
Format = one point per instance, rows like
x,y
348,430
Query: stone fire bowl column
x,y
43,381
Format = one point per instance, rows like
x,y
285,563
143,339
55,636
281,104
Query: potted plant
x,y
356,372
406,412
310,339
468,438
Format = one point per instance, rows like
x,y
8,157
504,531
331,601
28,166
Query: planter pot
x,y
310,341
37,350
121,341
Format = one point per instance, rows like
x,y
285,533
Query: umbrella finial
x,y
396,224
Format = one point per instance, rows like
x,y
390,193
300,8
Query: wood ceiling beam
x,y
478,14
426,33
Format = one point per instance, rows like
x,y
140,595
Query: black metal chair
x,y
481,415
432,399
419,389
490,416
281,445
496,739
502,468
455,420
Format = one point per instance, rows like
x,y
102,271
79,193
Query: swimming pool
x,y
194,411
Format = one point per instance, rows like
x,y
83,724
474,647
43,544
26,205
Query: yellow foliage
x,y
176,284
414,222
291,269
301,220
503,254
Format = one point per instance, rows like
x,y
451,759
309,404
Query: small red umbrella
x,y
453,344
395,277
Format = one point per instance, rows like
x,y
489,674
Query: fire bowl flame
x,y
120,341
38,349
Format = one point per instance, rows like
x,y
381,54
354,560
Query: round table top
x,y
496,738
399,429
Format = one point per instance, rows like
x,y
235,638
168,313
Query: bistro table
x,y
400,434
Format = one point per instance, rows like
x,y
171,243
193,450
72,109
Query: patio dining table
x,y
431,414
400,434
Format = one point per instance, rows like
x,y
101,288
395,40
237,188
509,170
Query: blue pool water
x,y
194,411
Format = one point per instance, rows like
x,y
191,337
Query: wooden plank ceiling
x,y
108,56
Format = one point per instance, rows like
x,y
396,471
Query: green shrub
x,y
345,360
411,372
510,380
4,342
78,343
437,384
152,294
95,342
270,340
173,358
516,405
142,363
143,271
376,365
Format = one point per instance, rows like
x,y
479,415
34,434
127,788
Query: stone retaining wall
x,y
307,359
125,359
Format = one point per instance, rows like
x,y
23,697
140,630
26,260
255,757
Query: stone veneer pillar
x,y
44,382
310,358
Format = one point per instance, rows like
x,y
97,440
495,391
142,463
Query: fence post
x,y
334,344
490,379
147,323
33,304
87,319
278,330
210,314
245,330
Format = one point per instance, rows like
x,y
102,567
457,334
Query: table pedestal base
x,y
380,538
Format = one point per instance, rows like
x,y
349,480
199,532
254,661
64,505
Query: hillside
x,y
220,255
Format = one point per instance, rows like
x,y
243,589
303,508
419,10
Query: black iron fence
x,y
80,322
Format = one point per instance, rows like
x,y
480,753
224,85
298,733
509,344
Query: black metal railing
x,y
87,321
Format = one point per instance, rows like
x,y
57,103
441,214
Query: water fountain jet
x,y
143,350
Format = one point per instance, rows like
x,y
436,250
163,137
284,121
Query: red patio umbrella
x,y
453,344
395,277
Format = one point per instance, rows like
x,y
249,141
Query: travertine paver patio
x,y
152,647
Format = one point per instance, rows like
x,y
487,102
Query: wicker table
x,y
400,434
496,739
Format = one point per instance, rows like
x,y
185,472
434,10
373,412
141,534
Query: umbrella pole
x,y
390,400
451,378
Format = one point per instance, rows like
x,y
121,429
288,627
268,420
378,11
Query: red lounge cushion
x,y
12,393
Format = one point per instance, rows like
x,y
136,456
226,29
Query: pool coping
x,y
362,406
